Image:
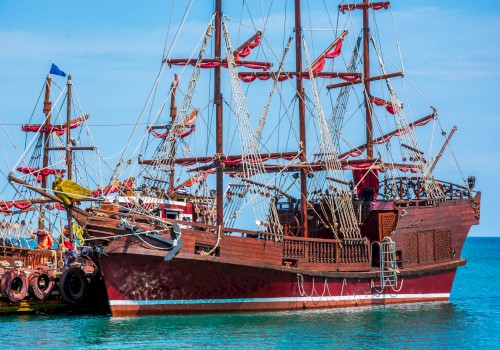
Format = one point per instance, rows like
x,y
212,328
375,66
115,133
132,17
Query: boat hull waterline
x,y
149,285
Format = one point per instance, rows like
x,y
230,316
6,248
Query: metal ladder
x,y
388,266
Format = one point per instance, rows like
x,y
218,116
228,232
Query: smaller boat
x,y
44,265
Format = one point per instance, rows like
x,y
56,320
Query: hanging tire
x,y
41,283
3,281
14,285
72,285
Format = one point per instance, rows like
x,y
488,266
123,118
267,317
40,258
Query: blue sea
x,y
471,320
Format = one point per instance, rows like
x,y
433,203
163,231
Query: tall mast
x,y
302,118
173,117
47,108
218,112
69,157
366,64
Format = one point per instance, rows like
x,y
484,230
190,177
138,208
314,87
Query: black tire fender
x,y
72,285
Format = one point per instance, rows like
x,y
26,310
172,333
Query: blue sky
x,y
113,50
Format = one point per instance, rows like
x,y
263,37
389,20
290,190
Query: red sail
x,y
236,159
353,153
200,177
247,49
248,77
373,5
5,206
318,67
41,173
335,52
212,63
187,123
128,183
177,134
387,104
46,129
384,138
59,129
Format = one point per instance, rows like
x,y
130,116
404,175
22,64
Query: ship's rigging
x,y
309,181
261,185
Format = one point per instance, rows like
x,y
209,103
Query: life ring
x,y
72,285
14,285
41,282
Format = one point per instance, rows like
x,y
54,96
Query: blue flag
x,y
56,71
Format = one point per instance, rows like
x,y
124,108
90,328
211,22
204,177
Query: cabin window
x,y
171,215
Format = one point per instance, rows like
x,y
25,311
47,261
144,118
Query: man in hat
x,y
69,250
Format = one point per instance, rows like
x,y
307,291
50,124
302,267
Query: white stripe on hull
x,y
386,297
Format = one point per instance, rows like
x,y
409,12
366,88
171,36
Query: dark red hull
x,y
238,270
148,285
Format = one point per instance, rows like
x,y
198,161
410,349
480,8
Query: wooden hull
x,y
235,271
140,285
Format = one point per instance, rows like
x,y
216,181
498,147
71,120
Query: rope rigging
x,y
252,162
408,136
340,198
165,154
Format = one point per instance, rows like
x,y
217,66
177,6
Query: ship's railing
x,y
270,248
412,188
31,258
310,250
315,250
355,251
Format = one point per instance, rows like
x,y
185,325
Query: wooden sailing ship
x,y
333,224
33,275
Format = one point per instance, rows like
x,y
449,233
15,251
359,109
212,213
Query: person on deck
x,y
45,240
69,251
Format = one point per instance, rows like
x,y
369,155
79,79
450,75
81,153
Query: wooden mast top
x,y
47,109
218,113
69,158
69,155
302,118
173,117
366,71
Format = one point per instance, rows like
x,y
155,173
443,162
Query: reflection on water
x,y
410,326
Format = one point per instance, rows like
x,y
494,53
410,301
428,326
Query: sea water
x,y
470,320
